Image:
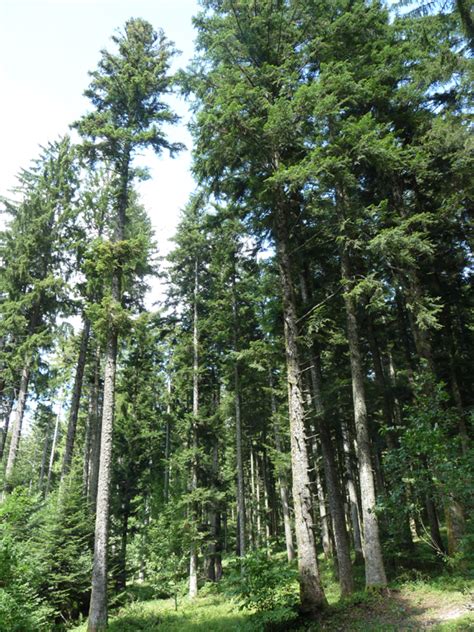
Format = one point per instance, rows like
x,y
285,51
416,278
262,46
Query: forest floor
x,y
420,605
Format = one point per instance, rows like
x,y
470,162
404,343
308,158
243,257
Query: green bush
x,y
265,583
21,608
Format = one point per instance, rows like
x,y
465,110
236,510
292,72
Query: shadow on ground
x,y
398,612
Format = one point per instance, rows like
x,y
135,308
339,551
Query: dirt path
x,y
426,611
405,610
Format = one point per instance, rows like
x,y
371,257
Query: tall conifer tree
x,y
127,91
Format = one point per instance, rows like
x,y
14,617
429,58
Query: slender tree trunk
x,y
336,503
312,596
166,481
211,549
374,567
282,480
454,382
266,499
218,554
6,423
425,352
52,455
397,409
258,499
238,427
420,335
213,535
98,612
98,609
252,516
75,401
122,572
433,523
404,330
323,514
383,387
352,492
18,421
455,524
44,456
86,454
455,513
95,425
193,558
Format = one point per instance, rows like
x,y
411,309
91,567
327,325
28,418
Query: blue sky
x,y
47,48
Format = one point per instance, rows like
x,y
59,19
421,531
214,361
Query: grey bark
x,y
381,381
374,567
336,503
312,596
258,497
352,492
323,514
166,481
87,451
252,512
52,455
95,425
397,409
6,424
266,499
238,430
214,568
75,401
193,570
98,609
44,456
18,421
282,479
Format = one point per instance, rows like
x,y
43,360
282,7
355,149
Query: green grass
x,y
407,610
211,613
418,600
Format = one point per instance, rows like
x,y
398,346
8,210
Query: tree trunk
x,y
397,409
193,568
282,480
268,496
323,513
95,424
44,456
52,455
374,567
252,516
75,401
258,499
312,596
98,609
6,423
336,503
383,387
352,493
218,555
17,421
238,428
122,571
433,522
166,481
212,548
455,524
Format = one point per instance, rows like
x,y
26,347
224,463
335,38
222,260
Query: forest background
x,y
290,425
